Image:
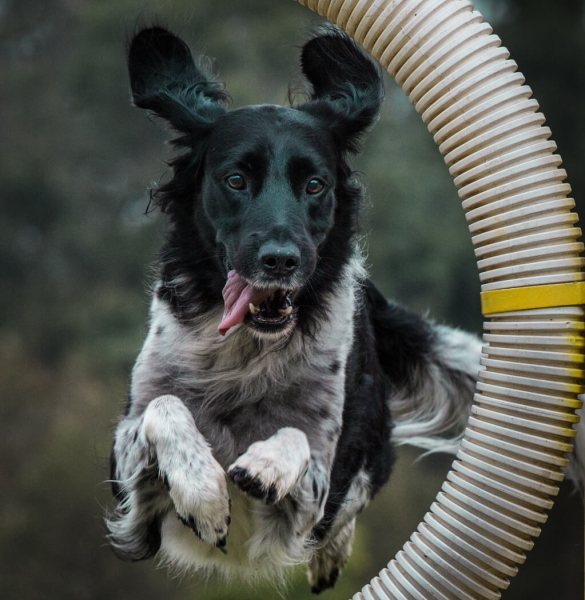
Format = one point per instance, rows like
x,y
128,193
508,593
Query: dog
x,y
275,379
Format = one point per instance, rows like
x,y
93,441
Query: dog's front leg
x,y
292,482
166,440
195,480
269,469
282,467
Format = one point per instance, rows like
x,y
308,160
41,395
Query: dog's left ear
x,y
347,86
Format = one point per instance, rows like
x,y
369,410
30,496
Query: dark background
x,y
77,249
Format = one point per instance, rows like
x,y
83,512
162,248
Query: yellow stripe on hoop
x,y
534,296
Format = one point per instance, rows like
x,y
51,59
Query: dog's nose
x,y
279,259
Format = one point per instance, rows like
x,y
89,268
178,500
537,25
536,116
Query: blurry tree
x,y
546,38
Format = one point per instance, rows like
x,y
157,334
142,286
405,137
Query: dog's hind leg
x,y
164,462
328,560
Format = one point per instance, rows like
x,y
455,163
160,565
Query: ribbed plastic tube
x,y
492,137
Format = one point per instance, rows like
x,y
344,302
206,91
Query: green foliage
x,y
76,250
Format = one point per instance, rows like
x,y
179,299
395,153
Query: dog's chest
x,y
239,391
250,407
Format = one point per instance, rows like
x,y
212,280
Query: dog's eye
x,y
236,182
314,186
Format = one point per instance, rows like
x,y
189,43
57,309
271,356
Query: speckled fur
x,y
284,383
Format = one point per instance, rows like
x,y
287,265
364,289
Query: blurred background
x,y
77,250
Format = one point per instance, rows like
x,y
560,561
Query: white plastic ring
x,y
487,127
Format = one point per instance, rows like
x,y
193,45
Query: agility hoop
x,y
491,135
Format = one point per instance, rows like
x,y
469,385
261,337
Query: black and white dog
x,y
259,418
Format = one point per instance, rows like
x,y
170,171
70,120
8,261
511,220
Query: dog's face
x,y
268,190
261,186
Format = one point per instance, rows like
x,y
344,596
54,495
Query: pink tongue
x,y
237,295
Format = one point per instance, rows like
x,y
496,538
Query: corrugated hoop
x,y
492,137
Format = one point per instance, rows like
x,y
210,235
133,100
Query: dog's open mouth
x,y
269,310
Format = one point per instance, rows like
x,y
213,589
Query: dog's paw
x,y
324,582
203,531
328,560
269,469
202,502
253,486
324,569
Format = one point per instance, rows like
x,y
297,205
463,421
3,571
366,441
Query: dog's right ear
x,y
165,79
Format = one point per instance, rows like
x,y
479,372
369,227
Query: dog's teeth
x,y
253,309
285,311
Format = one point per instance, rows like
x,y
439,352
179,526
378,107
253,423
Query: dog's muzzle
x,y
268,309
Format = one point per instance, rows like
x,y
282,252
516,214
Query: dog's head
x,y
263,192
